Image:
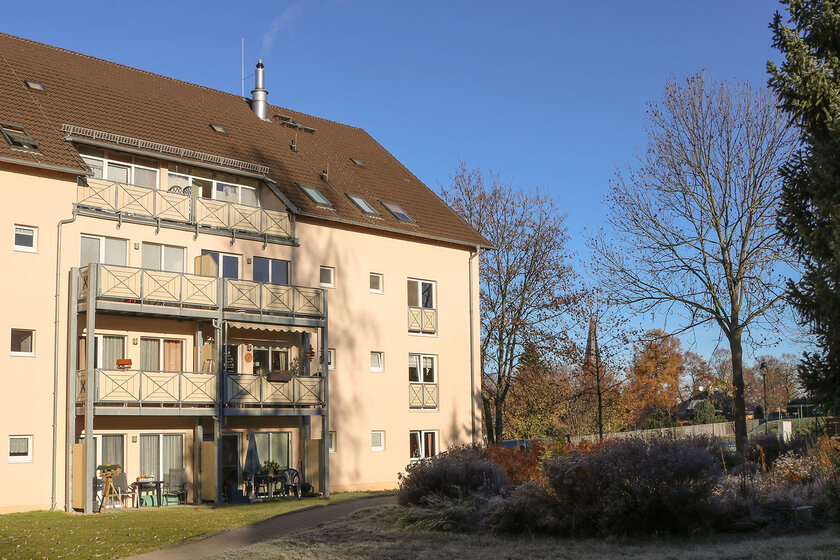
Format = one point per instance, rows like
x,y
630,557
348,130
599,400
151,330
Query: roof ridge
x,y
156,75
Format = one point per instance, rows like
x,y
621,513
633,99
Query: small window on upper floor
x,y
26,239
327,277
377,361
397,211
18,138
315,196
20,449
333,442
23,342
331,358
377,440
377,283
365,206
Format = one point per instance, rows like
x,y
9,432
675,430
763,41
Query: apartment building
x,y
201,281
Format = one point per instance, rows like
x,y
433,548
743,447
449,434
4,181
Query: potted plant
x,y
270,467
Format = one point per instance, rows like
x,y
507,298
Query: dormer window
x,y
365,206
398,212
18,138
315,195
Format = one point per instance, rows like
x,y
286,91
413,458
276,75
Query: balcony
x,y
422,320
422,395
174,207
257,390
136,287
191,389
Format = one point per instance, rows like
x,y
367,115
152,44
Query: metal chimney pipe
x,y
258,94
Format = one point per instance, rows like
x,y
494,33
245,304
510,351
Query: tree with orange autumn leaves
x,y
654,379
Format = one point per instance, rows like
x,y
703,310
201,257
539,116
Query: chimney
x,y
258,94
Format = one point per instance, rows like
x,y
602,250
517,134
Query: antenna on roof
x,y
325,174
293,144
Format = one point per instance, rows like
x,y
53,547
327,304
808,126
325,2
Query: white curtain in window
x,y
150,354
115,251
173,259
280,449
113,349
89,251
118,173
248,196
145,177
151,256
112,450
150,455
173,452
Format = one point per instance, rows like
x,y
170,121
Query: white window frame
x,y
160,449
161,340
100,344
381,278
102,239
220,267
363,205
98,439
331,358
29,457
422,451
333,443
420,283
331,284
381,366
395,210
132,166
270,274
270,435
162,262
214,182
420,358
316,196
17,353
377,448
24,248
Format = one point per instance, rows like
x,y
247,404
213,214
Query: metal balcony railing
x,y
423,395
248,389
123,386
174,206
422,320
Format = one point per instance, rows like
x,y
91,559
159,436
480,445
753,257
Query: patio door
x,y
172,355
230,459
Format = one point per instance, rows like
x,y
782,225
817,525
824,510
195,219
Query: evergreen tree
x,y
808,86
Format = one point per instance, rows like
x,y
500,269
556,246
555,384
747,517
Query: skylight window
x,y
218,128
315,195
365,206
17,137
34,84
358,162
398,212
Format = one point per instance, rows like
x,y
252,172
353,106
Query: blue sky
x,y
549,94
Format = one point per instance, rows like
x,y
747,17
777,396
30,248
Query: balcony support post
x,y
220,385
325,419
91,393
72,389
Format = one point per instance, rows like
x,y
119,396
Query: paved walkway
x,y
273,528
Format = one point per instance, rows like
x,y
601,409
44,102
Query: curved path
x,y
273,528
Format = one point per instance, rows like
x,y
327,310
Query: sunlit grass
x,y
113,534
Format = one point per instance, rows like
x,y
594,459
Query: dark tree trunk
x,y
738,386
498,413
489,432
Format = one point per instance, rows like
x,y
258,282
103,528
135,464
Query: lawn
x,y
376,534
117,534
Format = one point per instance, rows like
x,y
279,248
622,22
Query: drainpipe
x,y
472,342
55,354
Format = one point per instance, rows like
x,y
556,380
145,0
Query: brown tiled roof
x,y
101,95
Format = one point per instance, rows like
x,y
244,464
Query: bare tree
x,y
694,219
527,283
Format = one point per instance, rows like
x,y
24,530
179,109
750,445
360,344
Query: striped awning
x,y
268,328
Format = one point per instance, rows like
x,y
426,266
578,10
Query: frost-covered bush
x,y
528,509
632,486
461,472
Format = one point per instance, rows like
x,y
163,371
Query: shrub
x,y
632,486
704,413
457,515
459,473
764,449
520,465
528,509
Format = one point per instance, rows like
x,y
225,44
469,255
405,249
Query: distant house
x,y
724,405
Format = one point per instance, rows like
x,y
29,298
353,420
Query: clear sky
x,y
549,94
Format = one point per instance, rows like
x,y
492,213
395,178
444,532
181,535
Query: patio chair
x,y
289,479
175,487
124,489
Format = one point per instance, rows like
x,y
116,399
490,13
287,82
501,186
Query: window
x,y
163,257
273,446
159,354
365,206
377,360
121,168
331,358
20,449
421,293
229,264
333,448
107,349
109,448
271,271
315,196
26,239
159,453
377,283
422,443
23,342
204,183
269,360
422,381
398,212
377,440
358,162
18,138
104,250
327,277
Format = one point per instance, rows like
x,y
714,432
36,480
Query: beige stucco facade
x,y
360,401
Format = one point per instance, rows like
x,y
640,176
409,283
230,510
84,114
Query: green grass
x,y
116,534
377,534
